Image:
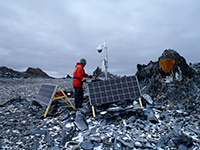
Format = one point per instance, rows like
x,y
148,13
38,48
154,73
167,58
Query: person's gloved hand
x,y
84,80
92,77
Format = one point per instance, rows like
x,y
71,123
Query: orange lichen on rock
x,y
167,64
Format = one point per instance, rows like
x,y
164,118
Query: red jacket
x,y
79,74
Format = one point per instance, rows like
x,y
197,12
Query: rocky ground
x,y
28,88
122,125
170,118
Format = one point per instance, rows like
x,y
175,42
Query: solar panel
x,y
108,91
46,93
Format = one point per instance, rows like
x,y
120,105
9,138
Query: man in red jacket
x,y
78,79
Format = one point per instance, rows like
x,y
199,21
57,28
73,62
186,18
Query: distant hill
x,y
29,73
36,72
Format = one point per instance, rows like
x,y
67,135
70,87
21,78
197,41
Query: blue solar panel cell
x,y
117,81
103,89
104,101
97,89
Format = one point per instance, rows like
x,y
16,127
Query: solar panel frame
x,y
108,91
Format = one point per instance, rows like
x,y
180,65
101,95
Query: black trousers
x,y
78,97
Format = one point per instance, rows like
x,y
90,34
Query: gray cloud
x,y
54,35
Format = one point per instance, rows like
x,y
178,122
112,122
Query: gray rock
x,y
36,104
163,141
48,138
68,138
182,147
94,139
171,144
114,109
35,145
117,145
140,126
80,121
64,116
85,111
40,132
40,114
131,119
138,144
164,116
148,145
151,116
183,139
54,148
148,98
87,145
126,141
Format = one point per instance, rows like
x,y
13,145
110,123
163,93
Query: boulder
x,y
171,63
183,139
169,79
87,144
80,121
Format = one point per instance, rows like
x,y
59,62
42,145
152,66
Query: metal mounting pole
x,y
106,60
100,48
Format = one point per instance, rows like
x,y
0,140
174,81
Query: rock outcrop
x,y
171,63
6,72
36,72
169,78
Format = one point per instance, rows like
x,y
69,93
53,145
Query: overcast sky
x,y
55,34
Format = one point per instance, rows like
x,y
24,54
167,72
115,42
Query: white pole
x,y
106,60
